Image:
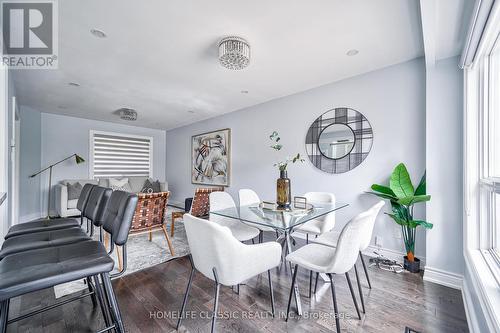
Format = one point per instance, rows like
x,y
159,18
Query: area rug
x,y
142,253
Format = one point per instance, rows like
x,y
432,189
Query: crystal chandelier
x,y
234,52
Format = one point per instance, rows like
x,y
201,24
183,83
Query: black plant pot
x,y
413,267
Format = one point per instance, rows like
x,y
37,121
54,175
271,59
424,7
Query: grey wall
x,y
61,136
29,162
444,125
393,100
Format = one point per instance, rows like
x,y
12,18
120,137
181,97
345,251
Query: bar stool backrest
x,y
84,196
118,215
96,203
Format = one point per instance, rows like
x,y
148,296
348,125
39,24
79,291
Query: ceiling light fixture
x,y
352,52
127,114
74,84
98,33
244,91
190,111
234,52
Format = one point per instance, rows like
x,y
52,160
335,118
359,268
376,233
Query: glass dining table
x,y
283,221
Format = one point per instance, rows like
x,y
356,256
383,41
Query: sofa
x,y
66,208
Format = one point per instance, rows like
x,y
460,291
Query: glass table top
x,y
283,220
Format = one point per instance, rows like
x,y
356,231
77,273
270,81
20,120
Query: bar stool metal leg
x,y
102,302
115,310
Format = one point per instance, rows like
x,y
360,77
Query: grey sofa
x,y
65,207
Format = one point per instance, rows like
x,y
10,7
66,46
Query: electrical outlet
x,y
378,241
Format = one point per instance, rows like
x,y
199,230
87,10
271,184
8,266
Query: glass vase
x,y
283,191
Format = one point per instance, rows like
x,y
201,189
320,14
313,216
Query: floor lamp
x,y
78,160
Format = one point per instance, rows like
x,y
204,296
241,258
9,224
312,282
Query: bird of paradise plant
x,y
403,196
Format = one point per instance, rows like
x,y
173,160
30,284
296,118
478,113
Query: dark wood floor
x,y
147,298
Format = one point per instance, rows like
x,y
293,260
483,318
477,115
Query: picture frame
x,y
211,158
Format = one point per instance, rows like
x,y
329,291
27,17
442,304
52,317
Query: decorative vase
x,y
283,192
412,266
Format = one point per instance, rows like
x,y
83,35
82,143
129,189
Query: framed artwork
x,y
211,158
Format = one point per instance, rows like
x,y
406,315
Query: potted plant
x,y
403,197
283,184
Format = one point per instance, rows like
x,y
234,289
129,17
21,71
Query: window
x,y
119,155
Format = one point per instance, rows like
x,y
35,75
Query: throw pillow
x,y
74,190
119,184
151,186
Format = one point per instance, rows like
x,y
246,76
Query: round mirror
x,y
336,141
331,144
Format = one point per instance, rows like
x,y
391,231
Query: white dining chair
x,y
325,259
219,256
248,197
241,231
321,224
331,239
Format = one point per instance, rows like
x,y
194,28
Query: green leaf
x,y
425,224
400,210
421,198
400,182
398,220
422,186
383,189
405,201
383,196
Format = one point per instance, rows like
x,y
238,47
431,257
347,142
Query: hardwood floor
x,y
150,301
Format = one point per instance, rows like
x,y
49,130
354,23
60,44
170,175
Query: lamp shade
x,y
79,159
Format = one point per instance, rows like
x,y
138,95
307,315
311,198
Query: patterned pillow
x,y
119,184
74,190
151,187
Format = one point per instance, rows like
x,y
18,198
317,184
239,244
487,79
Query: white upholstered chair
x,y
248,197
241,231
219,256
321,224
331,239
325,259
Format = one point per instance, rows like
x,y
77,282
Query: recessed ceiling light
x,y
98,33
352,52
190,111
74,84
62,107
244,91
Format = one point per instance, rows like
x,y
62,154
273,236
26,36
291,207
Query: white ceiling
x,y
160,57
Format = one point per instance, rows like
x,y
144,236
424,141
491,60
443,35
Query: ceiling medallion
x,y
234,52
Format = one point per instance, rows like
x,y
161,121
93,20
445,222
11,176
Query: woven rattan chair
x,y
200,206
149,215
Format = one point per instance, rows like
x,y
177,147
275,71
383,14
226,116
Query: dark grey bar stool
x,y
33,270
53,224
94,209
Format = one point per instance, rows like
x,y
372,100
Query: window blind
x,y
120,155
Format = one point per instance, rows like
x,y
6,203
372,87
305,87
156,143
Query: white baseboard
x,y
444,278
29,217
470,311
